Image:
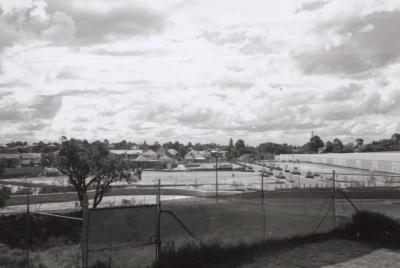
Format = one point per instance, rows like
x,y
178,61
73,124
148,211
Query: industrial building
x,y
377,161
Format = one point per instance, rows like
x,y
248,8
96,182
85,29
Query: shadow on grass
x,y
374,229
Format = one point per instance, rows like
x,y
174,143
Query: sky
x,y
199,70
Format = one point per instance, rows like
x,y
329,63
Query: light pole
x,y
216,174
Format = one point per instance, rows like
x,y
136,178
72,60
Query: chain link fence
x,y
132,236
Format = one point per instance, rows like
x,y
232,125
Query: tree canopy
x,y
90,165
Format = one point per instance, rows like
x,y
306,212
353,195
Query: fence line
x,y
220,200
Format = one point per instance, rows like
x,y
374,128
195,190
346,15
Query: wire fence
x,y
134,235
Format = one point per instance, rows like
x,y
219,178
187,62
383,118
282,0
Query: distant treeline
x,y
233,149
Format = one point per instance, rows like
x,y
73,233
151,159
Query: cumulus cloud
x,y
368,43
200,71
94,24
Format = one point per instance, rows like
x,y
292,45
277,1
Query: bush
x,y
373,227
4,195
45,231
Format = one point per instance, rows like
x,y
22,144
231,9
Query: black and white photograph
x,y
199,134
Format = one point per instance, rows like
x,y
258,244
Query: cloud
x,y
46,106
229,83
67,73
311,6
93,25
343,93
368,43
71,22
199,72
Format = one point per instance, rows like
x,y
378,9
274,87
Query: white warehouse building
x,y
379,161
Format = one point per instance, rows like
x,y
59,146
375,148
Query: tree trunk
x,y
85,230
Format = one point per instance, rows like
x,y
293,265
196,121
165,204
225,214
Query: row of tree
x,y
238,148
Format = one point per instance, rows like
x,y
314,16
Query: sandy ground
x,y
330,254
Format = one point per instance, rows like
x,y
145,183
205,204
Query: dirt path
x,y
330,254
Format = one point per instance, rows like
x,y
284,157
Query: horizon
x,y
199,71
365,141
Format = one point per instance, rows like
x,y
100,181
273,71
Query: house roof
x,y
31,155
166,158
143,158
172,151
22,156
129,152
150,153
25,162
195,155
10,156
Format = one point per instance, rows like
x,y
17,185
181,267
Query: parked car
x,y
295,171
309,175
280,176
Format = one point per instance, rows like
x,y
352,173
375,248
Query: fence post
x,y
216,177
158,230
334,198
262,205
28,236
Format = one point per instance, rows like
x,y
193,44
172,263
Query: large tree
x,y
396,140
240,147
316,143
337,145
90,166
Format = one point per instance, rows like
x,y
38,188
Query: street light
x,y
216,173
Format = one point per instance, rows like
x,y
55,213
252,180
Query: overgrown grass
x,y
368,227
218,254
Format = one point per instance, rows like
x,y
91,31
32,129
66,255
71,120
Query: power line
x,y
216,58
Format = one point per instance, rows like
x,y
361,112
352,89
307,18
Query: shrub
x,y
373,227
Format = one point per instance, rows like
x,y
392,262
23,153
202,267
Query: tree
x,y
90,166
396,140
396,137
4,195
240,147
359,142
156,145
337,145
328,147
316,143
231,150
4,191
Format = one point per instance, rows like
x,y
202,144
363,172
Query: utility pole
x,y
28,235
334,198
216,175
158,230
262,205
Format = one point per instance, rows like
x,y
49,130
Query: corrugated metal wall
x,y
386,162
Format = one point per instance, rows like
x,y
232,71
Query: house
x,y
22,159
151,160
174,154
196,156
150,154
127,154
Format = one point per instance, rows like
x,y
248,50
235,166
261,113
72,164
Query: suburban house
x,y
198,156
174,153
22,159
154,160
23,164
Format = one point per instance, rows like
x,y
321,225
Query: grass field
x,y
229,221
